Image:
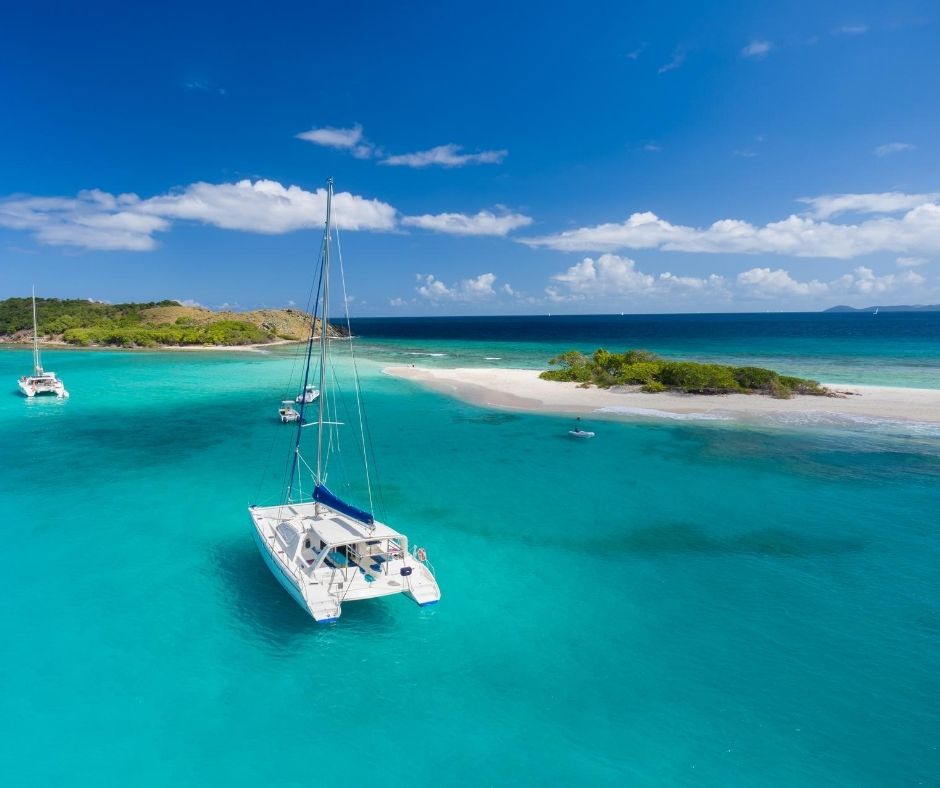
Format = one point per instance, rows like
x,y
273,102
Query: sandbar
x,y
523,390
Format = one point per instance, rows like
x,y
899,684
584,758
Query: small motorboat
x,y
287,412
579,433
310,394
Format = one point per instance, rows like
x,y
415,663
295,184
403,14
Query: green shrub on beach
x,y
653,374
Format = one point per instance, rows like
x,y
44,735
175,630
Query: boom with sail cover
x,y
324,496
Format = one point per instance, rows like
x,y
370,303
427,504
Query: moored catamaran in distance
x,y
41,381
323,550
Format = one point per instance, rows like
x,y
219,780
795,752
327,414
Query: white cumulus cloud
x,y
445,156
767,283
266,206
481,223
97,220
612,275
916,231
473,289
777,283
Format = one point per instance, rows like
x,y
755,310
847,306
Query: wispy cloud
x,y
202,86
481,223
633,55
851,30
757,49
892,147
911,262
916,231
93,219
350,140
678,58
445,156
828,205
652,147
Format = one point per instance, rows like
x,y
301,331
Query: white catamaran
x,y
323,550
40,382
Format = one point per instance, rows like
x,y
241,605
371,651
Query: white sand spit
x,y
522,389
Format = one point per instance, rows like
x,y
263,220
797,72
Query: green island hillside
x,y
155,324
652,373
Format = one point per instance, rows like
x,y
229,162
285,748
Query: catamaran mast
x,y
324,328
37,366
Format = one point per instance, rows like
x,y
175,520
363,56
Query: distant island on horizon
x,y
167,323
890,308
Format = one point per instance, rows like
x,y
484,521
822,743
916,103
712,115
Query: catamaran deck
x,y
329,557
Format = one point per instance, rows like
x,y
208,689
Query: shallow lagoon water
x,y
707,604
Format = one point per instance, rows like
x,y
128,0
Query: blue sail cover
x,y
324,496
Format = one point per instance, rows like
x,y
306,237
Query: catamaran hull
x,y
322,591
280,574
31,391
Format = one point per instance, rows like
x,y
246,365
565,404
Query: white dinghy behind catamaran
x,y
40,382
323,550
308,395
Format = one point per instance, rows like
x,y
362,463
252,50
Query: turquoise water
x,y
891,349
667,604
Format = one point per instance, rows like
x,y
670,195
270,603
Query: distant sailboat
x,y
322,550
876,311
40,382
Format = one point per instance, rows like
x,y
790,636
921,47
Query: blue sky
x,y
488,158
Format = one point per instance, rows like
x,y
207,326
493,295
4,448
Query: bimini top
x,y
338,529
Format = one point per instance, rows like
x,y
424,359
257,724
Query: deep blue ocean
x,y
669,604
891,348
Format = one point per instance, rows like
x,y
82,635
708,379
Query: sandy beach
x,y
522,389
